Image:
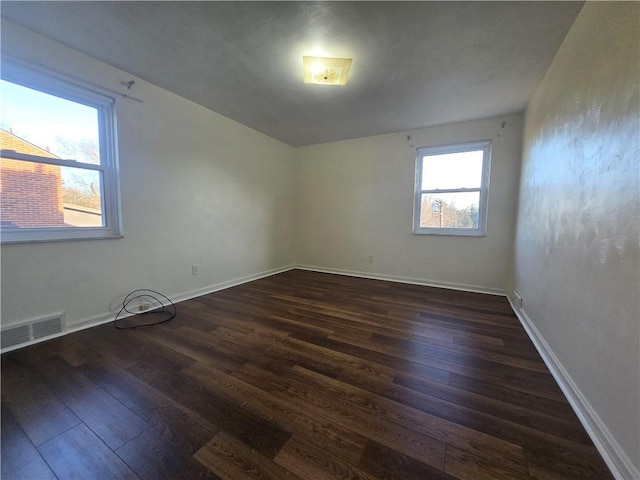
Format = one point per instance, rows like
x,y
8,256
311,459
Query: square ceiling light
x,y
325,70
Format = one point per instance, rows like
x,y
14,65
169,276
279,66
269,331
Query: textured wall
x,y
577,260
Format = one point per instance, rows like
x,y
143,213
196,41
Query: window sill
x,y
450,232
26,240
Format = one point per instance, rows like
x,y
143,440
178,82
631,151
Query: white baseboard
x,y
614,456
409,280
230,283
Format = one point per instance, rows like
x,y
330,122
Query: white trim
x,y
65,76
412,281
614,456
110,317
61,162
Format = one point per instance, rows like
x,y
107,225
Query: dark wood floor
x,y
300,375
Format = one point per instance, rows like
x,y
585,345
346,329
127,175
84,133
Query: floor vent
x,y
44,328
15,336
34,330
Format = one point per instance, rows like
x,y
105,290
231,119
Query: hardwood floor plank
x,y
268,345
475,345
153,406
425,449
477,340
467,465
109,419
502,393
383,462
20,460
233,460
309,355
109,349
542,385
336,319
152,455
563,451
354,321
33,353
191,313
494,450
37,410
565,461
510,431
451,362
79,453
480,357
261,435
347,347
267,314
140,348
323,434
562,426
241,317
223,339
198,346
74,351
307,461
462,326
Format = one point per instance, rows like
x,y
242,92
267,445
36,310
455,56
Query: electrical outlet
x,y
195,269
519,302
370,259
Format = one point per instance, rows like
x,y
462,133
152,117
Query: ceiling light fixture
x,y
325,70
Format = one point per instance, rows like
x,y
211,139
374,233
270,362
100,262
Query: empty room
x,y
320,240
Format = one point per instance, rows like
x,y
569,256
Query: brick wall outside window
x,y
30,193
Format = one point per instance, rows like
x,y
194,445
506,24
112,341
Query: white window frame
x,y
422,152
36,78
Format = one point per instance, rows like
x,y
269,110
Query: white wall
x,y
355,199
577,262
196,188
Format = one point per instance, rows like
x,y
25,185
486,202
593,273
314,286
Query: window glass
x,y
450,210
36,195
452,170
64,128
451,189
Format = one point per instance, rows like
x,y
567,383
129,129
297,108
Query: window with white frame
x,y
58,165
451,189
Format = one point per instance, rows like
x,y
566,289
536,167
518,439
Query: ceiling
x,y
416,64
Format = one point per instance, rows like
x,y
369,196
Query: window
x,y
58,167
451,188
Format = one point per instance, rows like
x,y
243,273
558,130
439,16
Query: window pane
x,y
450,210
36,195
49,126
452,170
